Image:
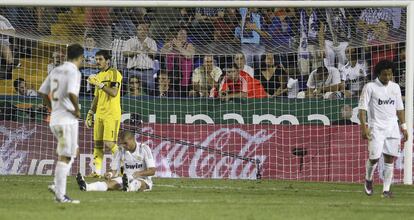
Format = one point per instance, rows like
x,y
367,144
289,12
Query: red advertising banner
x,y
299,152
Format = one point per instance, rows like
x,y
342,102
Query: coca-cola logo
x,y
177,159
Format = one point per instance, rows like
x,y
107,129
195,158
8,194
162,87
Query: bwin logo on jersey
x,y
359,79
133,166
386,102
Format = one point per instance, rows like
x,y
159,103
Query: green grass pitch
x,y
26,197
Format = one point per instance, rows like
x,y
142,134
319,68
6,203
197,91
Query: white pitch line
x,y
283,188
147,200
261,188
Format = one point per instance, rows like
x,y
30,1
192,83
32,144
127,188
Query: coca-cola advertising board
x,y
288,152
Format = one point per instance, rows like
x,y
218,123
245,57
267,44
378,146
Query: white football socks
x,y
388,174
97,186
61,172
369,170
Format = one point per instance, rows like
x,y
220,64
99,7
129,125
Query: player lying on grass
x,y
139,166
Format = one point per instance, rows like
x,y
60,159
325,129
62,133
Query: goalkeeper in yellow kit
x,y
107,107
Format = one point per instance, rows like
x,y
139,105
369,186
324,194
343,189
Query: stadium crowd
x,y
224,53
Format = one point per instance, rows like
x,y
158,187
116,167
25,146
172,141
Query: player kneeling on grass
x,y
386,122
139,166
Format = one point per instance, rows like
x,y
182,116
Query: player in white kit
x,y
386,122
60,92
139,166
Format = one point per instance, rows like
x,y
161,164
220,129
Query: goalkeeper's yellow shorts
x,y
106,129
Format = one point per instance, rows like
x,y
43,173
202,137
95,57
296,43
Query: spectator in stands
x,y
45,16
98,23
186,17
323,82
22,89
311,46
280,30
179,59
289,84
370,17
164,85
140,51
336,33
202,25
268,74
233,85
122,25
353,74
240,62
89,65
224,39
346,116
400,68
268,26
134,86
250,33
208,14
205,78
381,34
254,87
142,15
58,57
6,29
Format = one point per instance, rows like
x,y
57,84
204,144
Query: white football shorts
x,y
381,143
67,138
149,183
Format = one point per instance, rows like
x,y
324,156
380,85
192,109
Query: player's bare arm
x,y
333,88
227,96
362,114
46,100
131,53
147,172
403,126
110,174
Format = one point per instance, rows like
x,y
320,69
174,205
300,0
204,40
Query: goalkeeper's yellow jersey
x,y
108,106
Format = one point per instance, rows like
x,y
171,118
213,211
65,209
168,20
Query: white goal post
x,y
408,162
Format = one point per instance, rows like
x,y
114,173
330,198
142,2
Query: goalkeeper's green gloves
x,y
89,119
93,80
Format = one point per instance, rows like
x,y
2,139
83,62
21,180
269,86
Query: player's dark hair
x,y
105,53
383,65
322,70
126,134
17,82
74,51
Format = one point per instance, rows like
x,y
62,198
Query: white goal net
x,y
217,89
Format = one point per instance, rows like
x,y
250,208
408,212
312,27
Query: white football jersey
x,y
355,76
381,102
63,80
139,160
334,78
